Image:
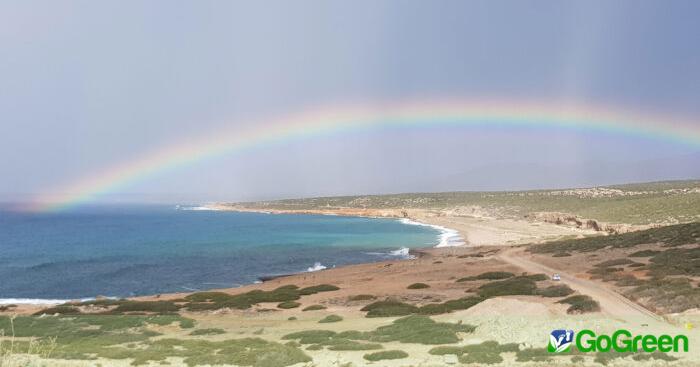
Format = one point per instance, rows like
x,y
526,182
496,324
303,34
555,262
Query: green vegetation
x,y
614,262
330,318
667,294
449,306
362,297
491,275
389,308
201,301
644,253
669,236
555,291
581,304
318,289
521,285
314,308
607,357
217,300
384,355
211,331
420,330
288,304
488,352
88,337
418,286
533,355
411,329
513,285
634,203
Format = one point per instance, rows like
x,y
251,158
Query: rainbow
x,y
336,120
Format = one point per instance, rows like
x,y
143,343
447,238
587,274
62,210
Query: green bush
x,y
362,297
330,318
60,309
318,289
389,308
614,262
202,301
533,355
508,287
491,275
211,331
288,305
555,291
314,308
644,253
384,355
420,330
159,307
670,236
418,286
581,304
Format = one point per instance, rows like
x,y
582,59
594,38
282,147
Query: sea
x,y
122,251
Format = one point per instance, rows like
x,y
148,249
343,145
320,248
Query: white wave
x,y
38,301
447,238
317,266
403,253
196,208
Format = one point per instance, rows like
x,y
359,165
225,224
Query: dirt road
x,y
611,303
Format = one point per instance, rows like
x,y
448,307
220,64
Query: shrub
x,y
488,352
449,306
288,305
670,236
555,291
533,355
644,253
330,318
362,297
384,355
389,308
60,309
318,289
314,308
513,286
420,330
211,331
614,262
159,307
491,275
536,277
418,286
353,345
580,304
561,254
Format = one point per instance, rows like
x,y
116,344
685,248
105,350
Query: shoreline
x,y
446,238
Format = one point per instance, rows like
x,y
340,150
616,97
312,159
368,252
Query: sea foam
x,y
317,266
448,237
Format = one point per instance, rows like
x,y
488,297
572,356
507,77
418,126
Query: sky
x,y
87,85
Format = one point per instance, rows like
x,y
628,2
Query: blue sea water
x,y
138,250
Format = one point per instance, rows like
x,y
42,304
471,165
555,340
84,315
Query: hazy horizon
x,y
91,86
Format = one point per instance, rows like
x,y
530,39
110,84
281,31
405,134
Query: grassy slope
x,y
651,203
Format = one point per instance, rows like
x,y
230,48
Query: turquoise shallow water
x,y
138,250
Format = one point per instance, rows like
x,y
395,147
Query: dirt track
x,y
611,303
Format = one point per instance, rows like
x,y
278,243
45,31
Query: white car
x,y
556,277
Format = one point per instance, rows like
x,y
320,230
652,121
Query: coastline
x,y
446,238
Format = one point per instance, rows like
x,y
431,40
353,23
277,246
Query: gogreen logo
x,y
620,341
560,341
